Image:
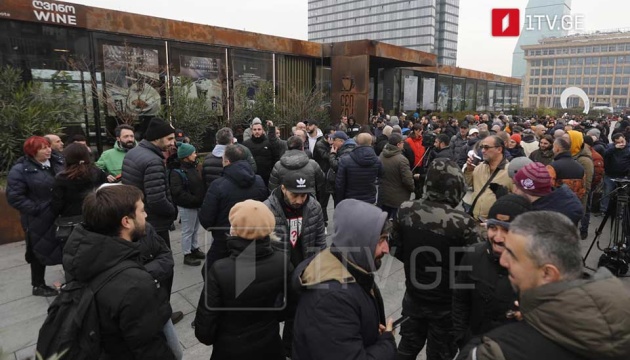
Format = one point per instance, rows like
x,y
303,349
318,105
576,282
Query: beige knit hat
x,y
251,220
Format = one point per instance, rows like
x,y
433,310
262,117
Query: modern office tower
x,y
534,30
597,62
425,25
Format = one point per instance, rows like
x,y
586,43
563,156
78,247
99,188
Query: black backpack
x,y
72,327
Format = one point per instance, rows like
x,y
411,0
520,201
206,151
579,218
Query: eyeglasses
x,y
486,147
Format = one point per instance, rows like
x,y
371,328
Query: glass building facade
x,y
424,25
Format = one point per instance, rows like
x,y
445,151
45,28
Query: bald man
x,y
358,172
56,145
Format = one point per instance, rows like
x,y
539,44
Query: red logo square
x,y
506,22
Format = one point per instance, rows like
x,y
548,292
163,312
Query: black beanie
x,y
506,208
158,129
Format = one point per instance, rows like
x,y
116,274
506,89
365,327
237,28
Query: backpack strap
x,y
103,278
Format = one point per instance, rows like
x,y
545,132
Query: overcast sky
x,y
477,49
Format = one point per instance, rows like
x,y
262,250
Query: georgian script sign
x,y
49,12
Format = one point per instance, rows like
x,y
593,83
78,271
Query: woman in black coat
x,y
242,322
29,190
75,182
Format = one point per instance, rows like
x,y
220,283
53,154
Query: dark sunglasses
x,y
486,147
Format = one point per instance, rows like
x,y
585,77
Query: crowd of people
x,y
486,214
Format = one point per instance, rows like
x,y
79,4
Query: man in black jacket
x,y
132,309
482,294
443,148
144,167
340,314
358,173
321,155
238,183
212,167
264,148
426,234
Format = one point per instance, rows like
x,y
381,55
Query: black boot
x,y
190,260
44,290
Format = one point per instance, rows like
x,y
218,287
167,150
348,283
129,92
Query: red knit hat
x,y
517,138
533,179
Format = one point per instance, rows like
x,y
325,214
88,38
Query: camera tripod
x,y
617,255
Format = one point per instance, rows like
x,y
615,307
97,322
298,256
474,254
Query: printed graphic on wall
x,y
206,77
132,80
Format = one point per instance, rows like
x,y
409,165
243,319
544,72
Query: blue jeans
x,y
609,186
190,225
171,340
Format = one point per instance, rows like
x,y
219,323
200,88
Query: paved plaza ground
x,y
22,314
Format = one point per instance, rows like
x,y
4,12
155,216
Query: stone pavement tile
x,y
185,275
179,303
6,356
192,294
198,352
21,310
21,334
26,353
15,283
185,332
12,255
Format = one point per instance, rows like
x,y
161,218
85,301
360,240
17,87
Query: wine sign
x,y
49,12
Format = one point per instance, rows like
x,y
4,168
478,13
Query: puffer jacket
x,y
297,160
418,150
212,167
397,182
313,234
565,170
543,157
357,175
458,143
29,190
579,319
322,154
238,183
131,307
144,168
187,187
248,333
266,151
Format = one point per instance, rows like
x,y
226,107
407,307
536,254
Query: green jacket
x,y
112,159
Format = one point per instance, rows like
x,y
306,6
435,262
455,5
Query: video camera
x,y
428,139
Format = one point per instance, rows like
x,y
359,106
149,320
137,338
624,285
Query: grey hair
x,y
563,144
551,239
594,132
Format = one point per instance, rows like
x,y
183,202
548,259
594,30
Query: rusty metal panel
x,y
471,74
350,87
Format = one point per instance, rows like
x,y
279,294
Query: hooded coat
x,y
579,319
339,319
357,175
238,183
243,325
297,160
212,167
29,190
562,200
397,182
432,222
132,309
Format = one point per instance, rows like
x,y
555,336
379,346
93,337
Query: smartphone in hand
x,y
400,321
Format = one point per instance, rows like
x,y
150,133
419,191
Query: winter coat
x,y
297,160
334,158
187,186
565,170
132,309
381,141
29,190
357,175
397,182
251,332
515,152
143,167
529,147
565,320
418,150
266,152
543,157
212,167
477,179
470,145
616,161
458,143
432,222
68,194
344,313
321,155
156,257
482,308
598,169
313,232
111,160
562,200
447,152
353,130
238,183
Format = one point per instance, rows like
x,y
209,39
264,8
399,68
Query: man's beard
x,y
128,145
313,132
292,206
137,234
